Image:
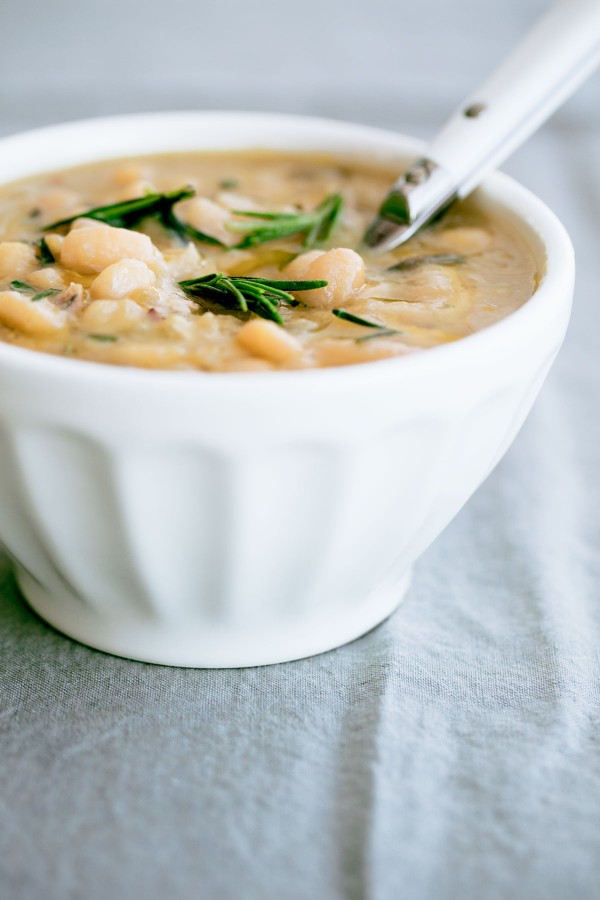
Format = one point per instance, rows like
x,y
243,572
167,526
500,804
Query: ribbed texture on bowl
x,y
181,553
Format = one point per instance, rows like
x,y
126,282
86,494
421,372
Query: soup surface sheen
x,y
123,287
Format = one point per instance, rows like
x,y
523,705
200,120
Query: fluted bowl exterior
x,y
208,519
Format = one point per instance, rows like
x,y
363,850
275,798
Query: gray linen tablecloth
x,y
451,754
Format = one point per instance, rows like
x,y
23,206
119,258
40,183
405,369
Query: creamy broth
x,y
118,291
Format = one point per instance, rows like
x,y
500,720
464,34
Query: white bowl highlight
x,y
206,519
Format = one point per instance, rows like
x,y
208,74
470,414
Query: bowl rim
x,y
551,298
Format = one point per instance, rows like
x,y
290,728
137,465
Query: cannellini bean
x,y
17,259
85,222
37,318
111,315
90,250
46,278
121,278
269,341
55,242
208,217
298,267
343,269
463,239
347,352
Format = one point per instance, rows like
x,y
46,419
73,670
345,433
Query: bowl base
x,y
210,646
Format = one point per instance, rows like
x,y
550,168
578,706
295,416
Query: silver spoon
x,y
560,52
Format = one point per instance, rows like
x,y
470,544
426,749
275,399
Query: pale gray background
x,y
454,752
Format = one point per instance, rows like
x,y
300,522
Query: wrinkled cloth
x,y
453,753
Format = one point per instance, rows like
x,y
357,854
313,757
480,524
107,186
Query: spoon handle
x,y
557,55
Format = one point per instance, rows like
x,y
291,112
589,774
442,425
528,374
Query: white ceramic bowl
x,y
237,519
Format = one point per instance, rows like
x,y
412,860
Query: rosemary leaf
x,y
235,295
330,211
103,338
381,330
350,317
230,286
25,288
50,292
268,216
280,228
283,285
316,225
44,253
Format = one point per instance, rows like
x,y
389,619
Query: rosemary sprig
x,y
382,330
316,225
262,296
438,259
25,288
130,213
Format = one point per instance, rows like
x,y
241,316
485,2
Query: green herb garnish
x,y
104,338
129,213
316,225
382,330
49,293
228,184
25,288
236,294
438,259
44,253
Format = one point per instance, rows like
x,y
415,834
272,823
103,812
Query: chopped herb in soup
x,y
241,261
